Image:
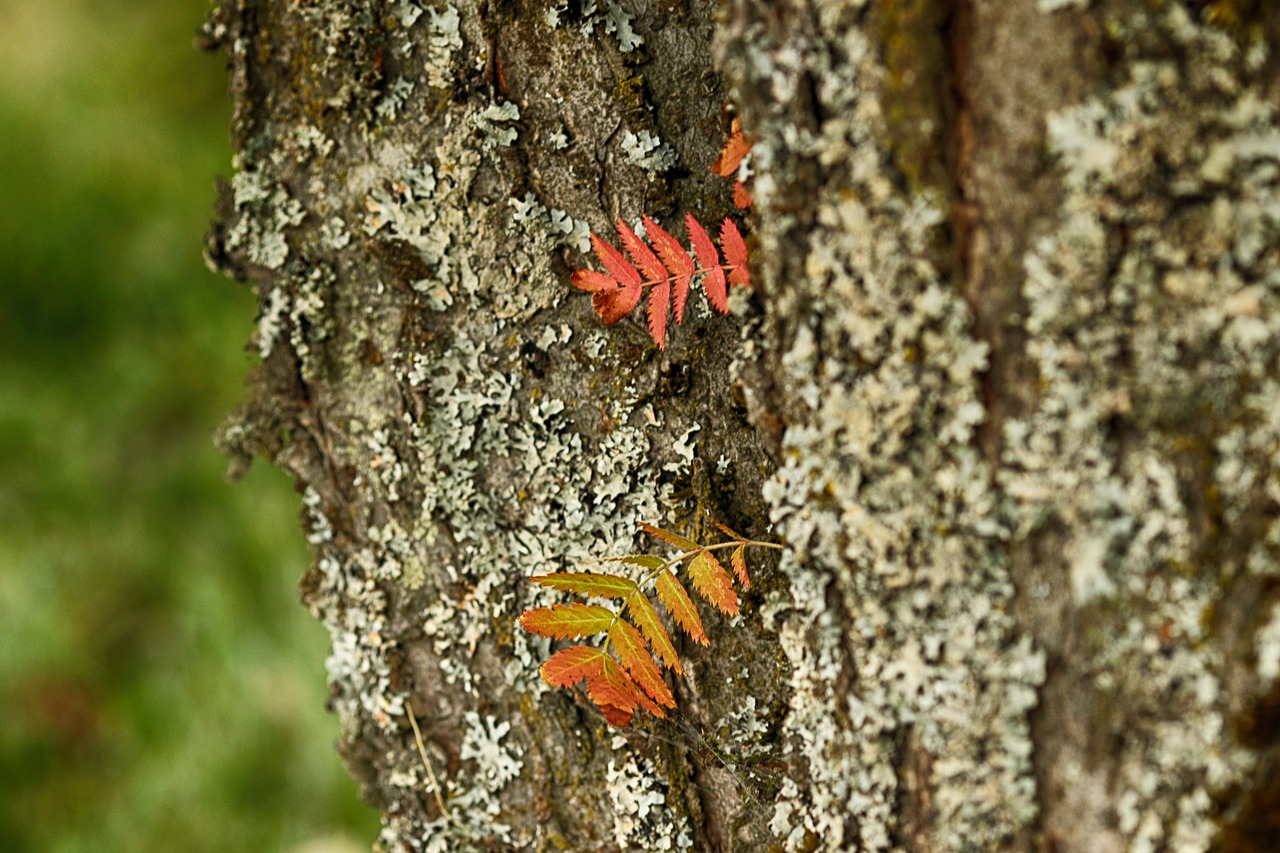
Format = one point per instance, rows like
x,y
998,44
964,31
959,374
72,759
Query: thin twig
x,y
422,751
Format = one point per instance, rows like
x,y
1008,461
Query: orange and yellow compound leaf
x,y
633,653
669,537
739,561
709,260
624,675
608,685
733,152
570,665
673,596
712,581
567,620
676,260
647,620
588,583
735,253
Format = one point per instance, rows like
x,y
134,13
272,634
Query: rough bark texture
x,y
1007,389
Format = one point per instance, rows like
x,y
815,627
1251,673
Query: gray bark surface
x,y
1007,388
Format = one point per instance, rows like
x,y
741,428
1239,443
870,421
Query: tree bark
x,y
1006,389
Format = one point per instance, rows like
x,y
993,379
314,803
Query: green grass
x,y
159,685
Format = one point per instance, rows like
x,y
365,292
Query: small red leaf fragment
x,y
735,253
741,198
673,596
712,581
733,151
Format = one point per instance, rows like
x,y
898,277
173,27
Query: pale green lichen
x,y
648,152
443,40
641,820
1162,334
885,502
550,224
612,18
475,810
253,192
1267,643
1059,5
900,529
427,206
493,122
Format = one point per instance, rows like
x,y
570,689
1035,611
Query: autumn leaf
x,y
634,655
667,536
709,260
735,252
644,561
611,686
673,596
712,581
588,583
613,305
570,665
567,620
739,562
647,620
676,259
734,150
615,264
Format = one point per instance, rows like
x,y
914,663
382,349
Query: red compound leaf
x,y
666,268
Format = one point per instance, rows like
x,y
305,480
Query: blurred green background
x,y
160,687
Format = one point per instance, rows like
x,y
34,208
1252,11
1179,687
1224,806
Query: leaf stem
x,y
671,278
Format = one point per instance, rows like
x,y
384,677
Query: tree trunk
x,y
1007,389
